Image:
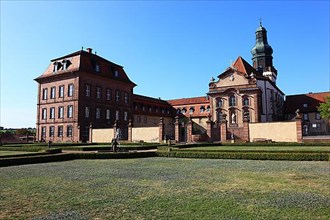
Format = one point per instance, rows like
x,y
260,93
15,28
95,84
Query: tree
x,y
324,108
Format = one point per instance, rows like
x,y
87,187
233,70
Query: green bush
x,y
301,156
35,159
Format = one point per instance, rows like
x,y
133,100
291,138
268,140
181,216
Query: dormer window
x,y
116,73
97,67
305,105
57,66
66,64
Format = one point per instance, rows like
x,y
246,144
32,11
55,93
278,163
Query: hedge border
x,y
46,158
297,156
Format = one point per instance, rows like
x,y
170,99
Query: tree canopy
x,y
324,108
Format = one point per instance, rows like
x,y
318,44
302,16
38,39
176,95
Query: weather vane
x,y
260,21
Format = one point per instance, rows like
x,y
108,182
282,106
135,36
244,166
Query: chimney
x,y
89,50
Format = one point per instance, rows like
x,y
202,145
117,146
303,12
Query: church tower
x,y
262,55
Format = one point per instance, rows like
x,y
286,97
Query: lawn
x,y
13,153
166,188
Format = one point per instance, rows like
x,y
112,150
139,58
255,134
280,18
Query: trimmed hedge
x,y
46,158
13,161
296,156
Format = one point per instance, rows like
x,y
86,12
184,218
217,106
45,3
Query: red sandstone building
x,y
82,90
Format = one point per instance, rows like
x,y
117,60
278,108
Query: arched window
x,y
219,103
232,100
183,111
191,110
202,109
246,101
178,111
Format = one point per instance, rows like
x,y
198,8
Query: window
x,y
98,113
108,114
108,94
52,92
208,109
191,110
117,115
44,94
51,131
305,117
52,113
98,92
219,103
246,101
66,64
116,73
202,109
150,109
60,131
69,131
138,119
70,90
145,119
87,110
126,97
317,116
125,116
117,96
44,114
156,109
178,111
43,132
87,90
60,112
143,107
70,111
305,105
232,100
57,66
183,111
97,67
61,92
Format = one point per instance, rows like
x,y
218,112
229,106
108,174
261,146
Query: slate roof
x,y
82,61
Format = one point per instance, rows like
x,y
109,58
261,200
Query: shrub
x,y
246,155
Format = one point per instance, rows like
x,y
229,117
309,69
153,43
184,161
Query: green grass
x,y
166,188
13,153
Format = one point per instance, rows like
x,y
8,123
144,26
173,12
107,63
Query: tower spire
x,y
262,53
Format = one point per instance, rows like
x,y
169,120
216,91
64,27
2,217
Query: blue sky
x,y
170,49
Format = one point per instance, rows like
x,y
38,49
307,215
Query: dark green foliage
x,y
245,155
324,109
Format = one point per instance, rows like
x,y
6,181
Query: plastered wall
x,y
276,131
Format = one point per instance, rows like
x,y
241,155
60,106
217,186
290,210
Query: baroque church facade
x,y
83,90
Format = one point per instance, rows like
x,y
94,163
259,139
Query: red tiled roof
x,y
189,101
311,101
244,67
